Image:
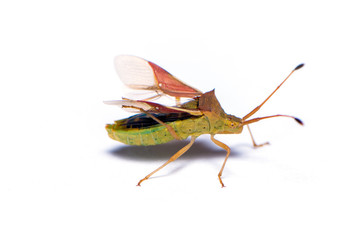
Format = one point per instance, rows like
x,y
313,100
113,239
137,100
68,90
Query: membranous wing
x,y
190,107
140,74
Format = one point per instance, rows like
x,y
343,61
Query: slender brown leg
x,y
169,128
254,143
158,95
174,157
225,147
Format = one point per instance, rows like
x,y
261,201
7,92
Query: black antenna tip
x,y
299,66
299,121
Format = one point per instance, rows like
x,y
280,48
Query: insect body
x,y
143,130
158,124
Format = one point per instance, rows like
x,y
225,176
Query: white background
x,y
61,177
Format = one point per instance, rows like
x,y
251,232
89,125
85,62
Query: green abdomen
x,y
143,130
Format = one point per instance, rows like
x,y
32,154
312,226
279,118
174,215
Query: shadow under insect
x,y
200,150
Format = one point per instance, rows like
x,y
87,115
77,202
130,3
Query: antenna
x,y
278,115
258,107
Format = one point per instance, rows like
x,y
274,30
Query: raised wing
x,y
137,73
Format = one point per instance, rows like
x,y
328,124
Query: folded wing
x,y
150,107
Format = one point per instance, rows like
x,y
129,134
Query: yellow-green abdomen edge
x,y
157,134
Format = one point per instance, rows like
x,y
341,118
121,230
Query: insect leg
x,y
174,157
225,147
169,128
158,95
254,143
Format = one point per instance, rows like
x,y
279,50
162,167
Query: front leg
x,y
225,147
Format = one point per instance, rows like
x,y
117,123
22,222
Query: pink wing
x,y
137,73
